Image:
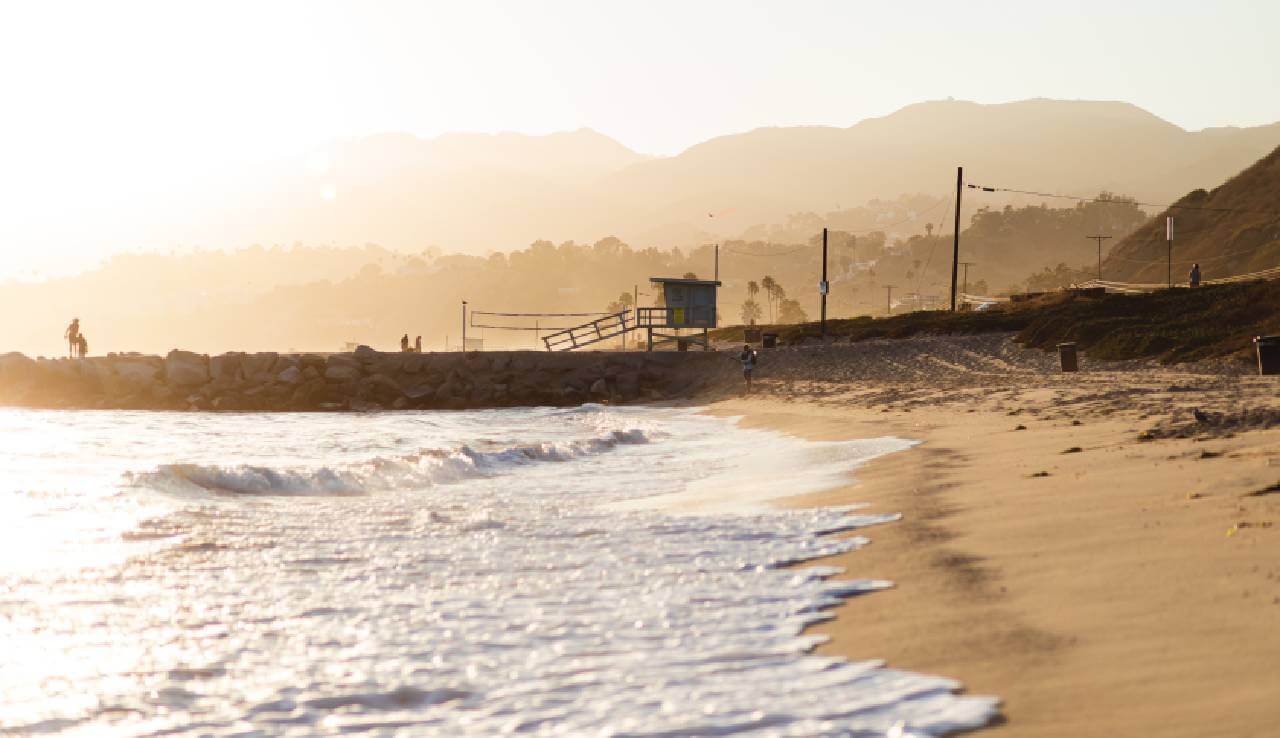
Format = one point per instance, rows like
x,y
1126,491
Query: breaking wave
x,y
426,468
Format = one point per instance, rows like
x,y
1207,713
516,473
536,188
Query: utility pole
x,y
955,248
717,262
966,265
1168,237
888,299
464,325
824,287
1099,239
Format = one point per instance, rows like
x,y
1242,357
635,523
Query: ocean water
x,y
547,572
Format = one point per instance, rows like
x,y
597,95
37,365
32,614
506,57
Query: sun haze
x,y
120,115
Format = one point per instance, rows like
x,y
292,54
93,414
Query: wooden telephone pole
x,y
955,248
824,286
1099,239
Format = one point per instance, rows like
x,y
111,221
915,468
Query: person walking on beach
x,y
72,334
1193,278
748,359
417,345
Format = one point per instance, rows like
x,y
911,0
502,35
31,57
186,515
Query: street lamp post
x,y
464,325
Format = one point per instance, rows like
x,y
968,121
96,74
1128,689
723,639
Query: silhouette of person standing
x,y
1194,277
404,342
82,345
72,334
417,345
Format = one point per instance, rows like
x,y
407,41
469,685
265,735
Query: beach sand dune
x,y
1100,549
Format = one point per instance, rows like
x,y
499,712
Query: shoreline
x,y
1132,591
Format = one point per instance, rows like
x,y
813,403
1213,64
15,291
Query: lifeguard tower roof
x,y
674,280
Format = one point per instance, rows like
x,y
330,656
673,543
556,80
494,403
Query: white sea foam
x,y
426,468
322,575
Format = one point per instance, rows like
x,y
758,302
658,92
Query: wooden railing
x,y
600,329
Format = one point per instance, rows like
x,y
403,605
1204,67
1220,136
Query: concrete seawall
x,y
359,381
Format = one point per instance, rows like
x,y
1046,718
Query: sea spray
x,y
513,597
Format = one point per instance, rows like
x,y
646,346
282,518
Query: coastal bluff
x,y
363,380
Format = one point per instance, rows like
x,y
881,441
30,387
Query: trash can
x,y
769,340
1268,354
1067,356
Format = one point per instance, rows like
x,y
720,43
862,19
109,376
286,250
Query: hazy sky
x,y
104,102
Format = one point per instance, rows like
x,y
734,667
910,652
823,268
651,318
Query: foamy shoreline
x,y
1049,554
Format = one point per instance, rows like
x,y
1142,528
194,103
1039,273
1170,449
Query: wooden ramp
x,y
594,331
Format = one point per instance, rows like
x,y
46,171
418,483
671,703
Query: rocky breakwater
x,y
360,381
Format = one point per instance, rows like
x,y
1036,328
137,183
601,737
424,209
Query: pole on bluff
x,y
823,287
464,325
1099,239
955,248
1168,237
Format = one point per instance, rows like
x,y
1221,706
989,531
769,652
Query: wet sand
x,y
1099,583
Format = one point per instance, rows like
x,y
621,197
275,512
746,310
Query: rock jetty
x,y
363,380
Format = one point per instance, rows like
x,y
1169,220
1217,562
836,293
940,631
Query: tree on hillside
x,y
789,311
769,284
751,311
623,302
1058,277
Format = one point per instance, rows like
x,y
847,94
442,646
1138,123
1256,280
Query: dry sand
x,y
1133,591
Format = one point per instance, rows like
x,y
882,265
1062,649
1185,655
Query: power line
x,y
1123,201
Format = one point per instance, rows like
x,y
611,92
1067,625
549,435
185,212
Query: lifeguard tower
x,y
687,304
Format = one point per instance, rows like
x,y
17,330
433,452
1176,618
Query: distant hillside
x,y
1237,232
475,192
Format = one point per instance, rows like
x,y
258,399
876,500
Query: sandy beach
x,y
1101,549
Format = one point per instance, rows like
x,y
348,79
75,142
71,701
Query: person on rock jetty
x,y
417,345
404,342
1193,278
72,334
748,359
82,346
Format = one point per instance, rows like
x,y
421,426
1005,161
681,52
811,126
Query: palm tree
x,y
769,284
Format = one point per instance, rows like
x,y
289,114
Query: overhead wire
x,y
1123,201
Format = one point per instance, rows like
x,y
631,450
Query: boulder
x,y
256,367
14,366
341,368
308,394
381,389
420,391
311,361
225,368
413,364
600,388
290,376
482,394
628,385
185,369
136,373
